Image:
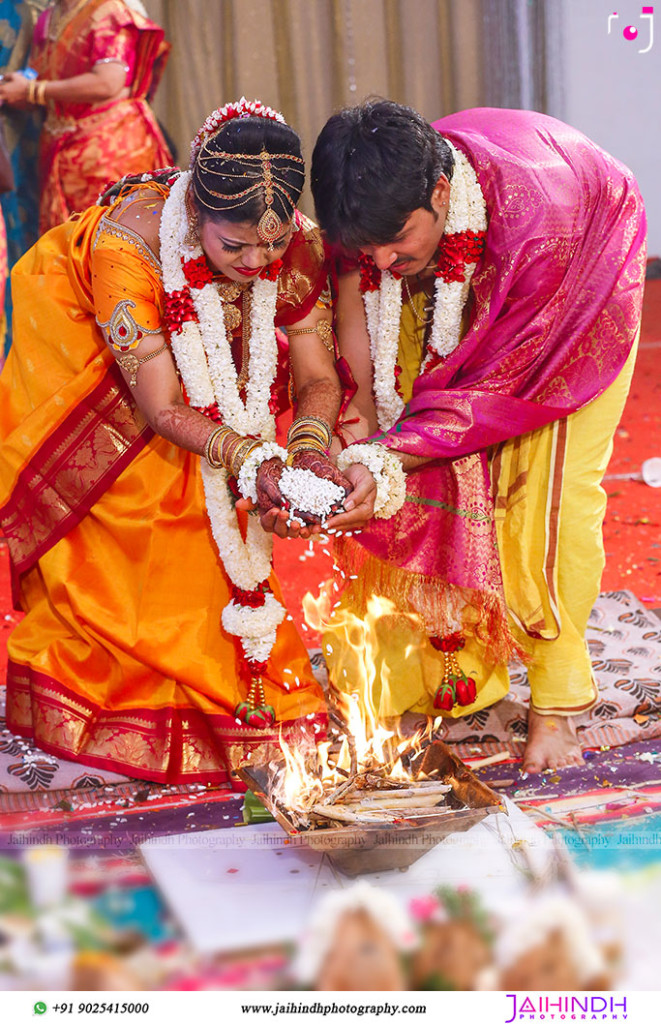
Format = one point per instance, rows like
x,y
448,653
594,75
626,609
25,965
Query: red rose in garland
x,y
197,272
179,307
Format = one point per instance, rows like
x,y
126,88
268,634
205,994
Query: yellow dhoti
x,y
549,507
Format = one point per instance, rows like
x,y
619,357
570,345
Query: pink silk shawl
x,y
556,304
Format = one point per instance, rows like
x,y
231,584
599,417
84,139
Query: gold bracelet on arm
x,y
308,433
209,446
242,454
232,449
40,94
30,94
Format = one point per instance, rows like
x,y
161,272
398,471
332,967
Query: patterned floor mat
x,y
614,784
624,639
37,789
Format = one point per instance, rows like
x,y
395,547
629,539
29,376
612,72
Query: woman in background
x,y
98,63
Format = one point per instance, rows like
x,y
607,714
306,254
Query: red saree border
x,y
168,745
71,470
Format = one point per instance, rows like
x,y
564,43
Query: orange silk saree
x,y
84,146
121,660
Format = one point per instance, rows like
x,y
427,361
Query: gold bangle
x,y
229,446
294,450
307,444
32,85
208,448
309,427
40,94
242,453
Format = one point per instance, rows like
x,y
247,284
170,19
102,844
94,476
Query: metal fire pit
x,y
366,848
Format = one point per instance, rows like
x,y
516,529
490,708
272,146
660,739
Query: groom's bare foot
x,y
552,743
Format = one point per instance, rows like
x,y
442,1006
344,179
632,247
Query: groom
x,y
500,256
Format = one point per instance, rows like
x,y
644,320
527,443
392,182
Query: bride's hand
x,y
271,505
268,485
321,466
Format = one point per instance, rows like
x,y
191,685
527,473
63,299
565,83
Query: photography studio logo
x,y
643,33
521,1007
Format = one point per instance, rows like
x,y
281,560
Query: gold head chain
x,y
263,176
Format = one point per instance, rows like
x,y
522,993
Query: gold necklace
x,y
244,376
229,293
233,318
426,309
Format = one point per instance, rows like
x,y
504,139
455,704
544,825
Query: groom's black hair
x,y
372,166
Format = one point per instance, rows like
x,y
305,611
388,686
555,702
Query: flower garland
x,y
388,473
193,310
460,248
193,313
244,108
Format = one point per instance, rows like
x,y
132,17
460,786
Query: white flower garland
x,y
383,308
255,627
247,479
388,473
202,350
204,360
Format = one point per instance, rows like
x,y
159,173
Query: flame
x,y
295,787
361,699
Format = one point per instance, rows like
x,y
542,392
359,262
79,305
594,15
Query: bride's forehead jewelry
x,y
262,175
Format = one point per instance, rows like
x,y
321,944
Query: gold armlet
x,y
131,363
323,329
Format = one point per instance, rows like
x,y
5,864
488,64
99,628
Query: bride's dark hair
x,y
228,165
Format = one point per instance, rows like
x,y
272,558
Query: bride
x,y
137,403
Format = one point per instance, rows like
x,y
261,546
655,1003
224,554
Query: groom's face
x,y
412,250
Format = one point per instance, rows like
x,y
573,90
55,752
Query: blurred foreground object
x,y
355,942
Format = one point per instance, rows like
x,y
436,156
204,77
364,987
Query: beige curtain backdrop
x,y
309,57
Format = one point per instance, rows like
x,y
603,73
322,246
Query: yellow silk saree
x,y
121,661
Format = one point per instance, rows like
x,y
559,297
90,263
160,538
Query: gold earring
x,y
192,234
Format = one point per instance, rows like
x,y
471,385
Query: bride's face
x,y
236,250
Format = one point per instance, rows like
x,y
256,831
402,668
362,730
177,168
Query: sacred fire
x,y
366,787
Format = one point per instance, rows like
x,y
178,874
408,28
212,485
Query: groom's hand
x,y
359,504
